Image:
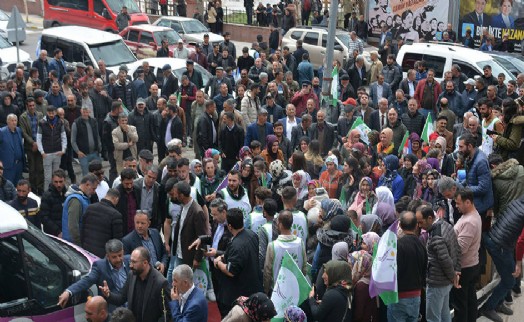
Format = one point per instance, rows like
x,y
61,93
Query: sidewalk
x,y
36,22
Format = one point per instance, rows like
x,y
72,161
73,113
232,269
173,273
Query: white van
x,y
441,57
87,45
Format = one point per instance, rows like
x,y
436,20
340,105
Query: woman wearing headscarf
x,y
431,193
420,170
195,166
508,143
335,305
384,195
416,145
272,151
246,173
369,240
255,308
336,228
350,180
352,139
406,172
386,145
294,314
300,179
391,179
371,223
363,200
340,252
210,180
330,179
245,152
364,307
215,155
386,213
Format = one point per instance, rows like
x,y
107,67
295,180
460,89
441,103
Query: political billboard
x,y
413,20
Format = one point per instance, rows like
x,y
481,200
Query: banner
x,y
362,128
499,17
413,20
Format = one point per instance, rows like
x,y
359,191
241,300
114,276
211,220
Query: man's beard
x,y
137,271
22,199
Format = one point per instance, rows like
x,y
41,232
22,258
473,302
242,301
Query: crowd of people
x,y
273,172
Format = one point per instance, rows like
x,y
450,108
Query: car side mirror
x,y
338,47
180,32
106,14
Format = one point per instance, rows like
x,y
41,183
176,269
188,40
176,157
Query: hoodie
x,y
507,179
74,207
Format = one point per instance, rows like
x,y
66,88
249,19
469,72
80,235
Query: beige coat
x,y
120,145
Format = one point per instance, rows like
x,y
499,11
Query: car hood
x,y
200,37
8,55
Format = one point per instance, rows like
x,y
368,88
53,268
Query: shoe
x,y
492,315
516,290
504,310
210,294
190,142
509,299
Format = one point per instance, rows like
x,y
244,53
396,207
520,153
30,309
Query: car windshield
x,y
4,43
116,6
496,68
193,27
171,36
113,53
517,62
3,16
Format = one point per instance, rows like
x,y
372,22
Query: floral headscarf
x,y
371,239
331,208
302,190
352,134
332,158
193,164
294,314
368,221
257,306
423,167
386,213
210,153
360,263
270,139
391,164
315,183
244,151
384,195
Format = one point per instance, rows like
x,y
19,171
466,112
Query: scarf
x,y
257,306
360,262
339,273
371,239
391,165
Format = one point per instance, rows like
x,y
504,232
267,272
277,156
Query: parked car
x,y
98,14
314,40
145,40
8,58
191,30
441,57
87,45
514,62
178,67
35,269
4,19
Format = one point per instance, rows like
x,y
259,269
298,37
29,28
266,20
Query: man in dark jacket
x,y
101,222
231,140
124,91
101,104
207,135
170,85
42,65
149,201
443,263
52,202
129,200
171,126
412,119
141,119
323,132
142,235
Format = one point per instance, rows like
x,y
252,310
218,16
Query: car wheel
x,y
55,24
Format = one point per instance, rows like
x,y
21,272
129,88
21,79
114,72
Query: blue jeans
x,y
84,162
437,304
505,264
174,261
406,310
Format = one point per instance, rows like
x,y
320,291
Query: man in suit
x,y
207,134
171,127
379,118
188,303
129,200
34,158
364,110
146,291
170,86
149,200
290,121
323,132
379,89
193,222
303,129
238,269
409,84
260,126
478,17
147,237
12,149
358,73
111,270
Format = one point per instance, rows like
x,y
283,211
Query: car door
x,y
132,40
311,43
72,12
146,46
339,54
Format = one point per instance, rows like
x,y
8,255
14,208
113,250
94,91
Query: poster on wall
x,y
413,20
500,17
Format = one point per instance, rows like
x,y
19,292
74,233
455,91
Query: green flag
x,y
178,99
291,287
428,129
362,128
403,144
355,229
334,85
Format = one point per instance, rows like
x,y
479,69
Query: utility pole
x,y
330,47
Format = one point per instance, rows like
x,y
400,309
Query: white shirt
x,y
289,127
411,86
380,89
380,114
183,299
102,189
183,216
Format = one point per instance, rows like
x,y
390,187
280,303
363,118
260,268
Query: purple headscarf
x,y
434,163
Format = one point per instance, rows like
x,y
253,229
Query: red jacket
x,y
300,101
419,91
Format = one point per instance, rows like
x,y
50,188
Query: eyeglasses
x,y
1,168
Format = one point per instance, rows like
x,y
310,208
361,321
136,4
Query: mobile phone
x,y
490,132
